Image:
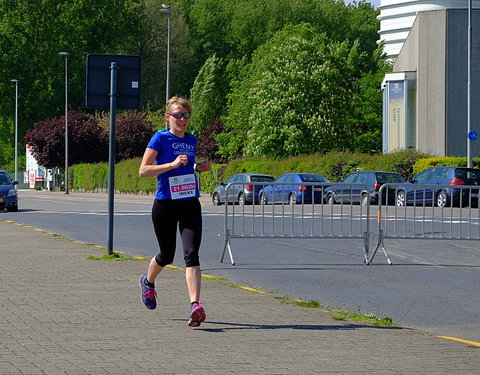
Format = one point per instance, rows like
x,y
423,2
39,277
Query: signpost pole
x,y
112,81
111,179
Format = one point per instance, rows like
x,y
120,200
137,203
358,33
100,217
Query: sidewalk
x,y
63,314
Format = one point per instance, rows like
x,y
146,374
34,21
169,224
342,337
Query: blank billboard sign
x,y
98,81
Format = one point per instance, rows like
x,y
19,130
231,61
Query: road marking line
x,y
461,340
174,267
251,289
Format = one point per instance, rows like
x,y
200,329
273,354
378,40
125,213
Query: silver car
x,y
244,191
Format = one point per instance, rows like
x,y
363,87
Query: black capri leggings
x,y
167,214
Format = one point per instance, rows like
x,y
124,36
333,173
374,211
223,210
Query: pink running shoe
x,y
197,315
149,295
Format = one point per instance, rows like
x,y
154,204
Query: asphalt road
x,y
432,286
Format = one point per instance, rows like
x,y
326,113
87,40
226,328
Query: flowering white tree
x,y
296,97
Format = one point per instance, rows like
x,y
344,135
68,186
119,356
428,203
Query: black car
x,y
449,191
345,192
244,190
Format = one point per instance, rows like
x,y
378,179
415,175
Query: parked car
x,y
8,194
245,192
292,189
414,193
345,192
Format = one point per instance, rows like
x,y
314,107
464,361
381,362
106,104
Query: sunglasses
x,y
180,114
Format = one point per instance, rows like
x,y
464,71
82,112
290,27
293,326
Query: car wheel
x,y
263,199
241,199
442,199
330,200
12,209
216,200
401,201
292,199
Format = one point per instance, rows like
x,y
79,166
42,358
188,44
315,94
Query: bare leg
x,y
194,280
153,270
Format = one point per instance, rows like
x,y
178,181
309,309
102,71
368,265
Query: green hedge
x,y
90,177
451,161
127,179
209,180
333,165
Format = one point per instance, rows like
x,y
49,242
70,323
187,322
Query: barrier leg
x,y
226,246
380,243
365,247
385,254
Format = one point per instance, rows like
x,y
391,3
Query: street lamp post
x,y
65,54
16,127
166,9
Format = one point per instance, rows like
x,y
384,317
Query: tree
x,y
149,41
296,97
32,33
207,147
208,95
133,132
368,104
87,141
7,133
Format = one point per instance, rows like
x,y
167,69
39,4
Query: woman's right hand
x,y
180,160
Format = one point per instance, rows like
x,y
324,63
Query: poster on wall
x,y
396,123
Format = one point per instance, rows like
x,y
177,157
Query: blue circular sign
x,y
472,135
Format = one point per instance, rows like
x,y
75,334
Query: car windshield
x,y
261,179
312,178
384,178
4,180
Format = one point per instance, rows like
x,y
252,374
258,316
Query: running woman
x,y
170,156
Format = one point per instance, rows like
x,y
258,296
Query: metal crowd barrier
x,y
425,214
306,219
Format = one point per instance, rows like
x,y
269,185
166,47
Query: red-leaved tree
x,y
133,131
87,141
207,147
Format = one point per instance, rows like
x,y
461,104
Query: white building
x,y
397,18
426,97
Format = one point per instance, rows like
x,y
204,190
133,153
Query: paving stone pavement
x,y
63,314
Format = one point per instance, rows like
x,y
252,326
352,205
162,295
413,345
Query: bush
x,y
333,165
127,179
208,181
90,177
448,161
400,162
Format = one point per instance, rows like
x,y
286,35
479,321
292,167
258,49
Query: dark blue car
x,y
8,194
441,186
363,186
294,188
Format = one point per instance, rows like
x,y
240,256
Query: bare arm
x,y
148,168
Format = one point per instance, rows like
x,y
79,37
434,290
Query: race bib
x,y
183,186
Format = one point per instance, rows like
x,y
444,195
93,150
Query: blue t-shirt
x,y
169,146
